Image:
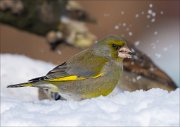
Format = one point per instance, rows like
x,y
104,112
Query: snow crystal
x,y
150,11
147,26
20,107
153,14
150,5
106,14
161,12
137,15
130,33
158,55
153,45
142,12
137,43
138,77
165,49
157,41
155,32
153,20
127,29
122,12
124,24
148,16
116,27
59,52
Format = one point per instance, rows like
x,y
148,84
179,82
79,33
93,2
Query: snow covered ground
x,y
20,107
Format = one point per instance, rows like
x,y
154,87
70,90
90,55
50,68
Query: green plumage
x,y
91,73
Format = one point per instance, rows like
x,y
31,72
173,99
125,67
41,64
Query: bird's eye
x,y
115,46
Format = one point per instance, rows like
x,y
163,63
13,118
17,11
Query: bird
x,y
91,73
141,73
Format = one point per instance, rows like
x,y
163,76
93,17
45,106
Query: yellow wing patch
x,y
73,78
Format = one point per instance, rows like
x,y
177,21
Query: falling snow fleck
x,y
137,15
155,32
127,29
149,11
153,20
148,16
116,27
161,12
133,80
142,12
165,49
124,24
150,5
153,14
130,33
59,52
106,15
122,35
138,77
136,43
122,12
147,26
158,55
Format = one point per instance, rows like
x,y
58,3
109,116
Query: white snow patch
x,y
20,107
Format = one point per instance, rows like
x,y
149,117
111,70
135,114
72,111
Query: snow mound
x,y
20,107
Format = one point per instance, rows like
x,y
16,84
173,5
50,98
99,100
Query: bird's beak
x,y
124,52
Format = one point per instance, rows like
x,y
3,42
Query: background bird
x,y
91,73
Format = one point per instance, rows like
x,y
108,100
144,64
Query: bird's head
x,y
113,47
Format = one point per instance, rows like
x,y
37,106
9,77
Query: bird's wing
x,y
65,72
81,66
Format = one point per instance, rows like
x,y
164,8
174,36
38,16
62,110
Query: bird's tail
x,y
20,85
30,83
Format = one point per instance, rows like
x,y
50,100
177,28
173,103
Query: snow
x,y
148,16
161,12
155,32
130,33
116,27
20,107
137,15
150,5
124,24
122,12
153,20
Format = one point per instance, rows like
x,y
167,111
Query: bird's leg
x,y
56,96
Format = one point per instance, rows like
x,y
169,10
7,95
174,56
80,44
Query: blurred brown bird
x,y
140,72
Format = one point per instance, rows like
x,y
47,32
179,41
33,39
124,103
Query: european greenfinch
x,y
90,73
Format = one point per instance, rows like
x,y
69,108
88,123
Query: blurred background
x,y
55,30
